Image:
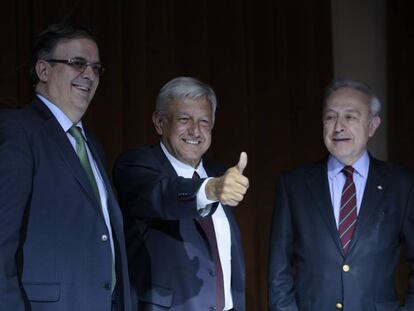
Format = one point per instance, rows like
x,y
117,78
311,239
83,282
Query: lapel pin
x,y
379,187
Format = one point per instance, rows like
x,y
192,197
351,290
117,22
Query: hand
x,y
230,188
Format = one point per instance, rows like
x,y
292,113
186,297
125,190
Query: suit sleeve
x,y
280,278
145,191
16,170
408,234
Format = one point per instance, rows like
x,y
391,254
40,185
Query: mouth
x,y
83,88
340,139
192,141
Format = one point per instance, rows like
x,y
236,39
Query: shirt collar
x,y
60,116
361,166
183,169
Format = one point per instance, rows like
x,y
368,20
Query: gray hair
x,y
184,87
374,103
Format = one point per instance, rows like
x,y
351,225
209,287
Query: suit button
x,y
211,272
212,308
107,286
346,268
104,237
338,306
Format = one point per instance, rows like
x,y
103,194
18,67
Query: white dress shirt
x,y
66,124
337,181
220,221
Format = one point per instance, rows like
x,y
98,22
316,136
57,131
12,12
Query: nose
x,y
338,127
194,128
89,73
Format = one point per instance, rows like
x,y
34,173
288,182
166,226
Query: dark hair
x,y
46,42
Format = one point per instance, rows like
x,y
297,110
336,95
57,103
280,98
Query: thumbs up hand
x,y
242,162
230,188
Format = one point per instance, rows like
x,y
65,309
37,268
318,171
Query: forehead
x,y
345,99
77,47
196,107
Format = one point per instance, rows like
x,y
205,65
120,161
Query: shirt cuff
x,y
203,203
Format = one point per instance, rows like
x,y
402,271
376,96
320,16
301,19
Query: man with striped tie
x,y
338,224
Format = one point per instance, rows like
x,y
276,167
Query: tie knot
x,y
348,171
75,131
195,175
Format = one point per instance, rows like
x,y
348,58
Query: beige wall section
x,y
359,49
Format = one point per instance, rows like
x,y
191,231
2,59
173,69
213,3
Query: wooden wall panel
x,y
267,60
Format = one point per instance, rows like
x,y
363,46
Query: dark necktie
x,y
348,212
84,160
207,225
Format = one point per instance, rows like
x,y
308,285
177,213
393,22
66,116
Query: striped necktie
x,y
348,212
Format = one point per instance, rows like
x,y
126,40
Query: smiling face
x,y
186,129
67,88
348,124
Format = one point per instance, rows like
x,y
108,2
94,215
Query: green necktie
x,y
84,159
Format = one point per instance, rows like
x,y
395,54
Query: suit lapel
x,y
317,181
166,165
68,154
113,207
374,188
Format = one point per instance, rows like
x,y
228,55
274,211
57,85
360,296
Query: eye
x,y
329,118
97,68
78,64
350,117
205,123
183,120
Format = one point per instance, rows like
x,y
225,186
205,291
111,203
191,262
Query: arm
x,y
280,278
15,186
147,191
408,233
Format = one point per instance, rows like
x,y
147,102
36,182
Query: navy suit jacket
x,y
170,263
307,269
53,253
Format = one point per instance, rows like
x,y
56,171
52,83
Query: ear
x,y
373,125
158,121
42,70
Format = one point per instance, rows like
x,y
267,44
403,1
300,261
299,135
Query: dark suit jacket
x,y
169,259
53,255
306,264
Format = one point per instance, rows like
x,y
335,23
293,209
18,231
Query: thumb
x,y
242,162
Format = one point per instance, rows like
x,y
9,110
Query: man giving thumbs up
x,y
182,238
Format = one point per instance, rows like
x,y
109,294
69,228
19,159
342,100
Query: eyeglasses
x,y
80,65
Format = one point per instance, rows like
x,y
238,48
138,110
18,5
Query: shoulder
x,y
305,171
18,120
391,170
140,154
26,116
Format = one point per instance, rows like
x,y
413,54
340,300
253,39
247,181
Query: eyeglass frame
x,y
96,67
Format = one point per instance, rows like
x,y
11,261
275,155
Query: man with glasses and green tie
x,y
61,232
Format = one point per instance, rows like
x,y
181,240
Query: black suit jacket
x,y
170,264
306,264
53,253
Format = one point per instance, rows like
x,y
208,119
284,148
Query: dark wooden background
x,y
268,61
